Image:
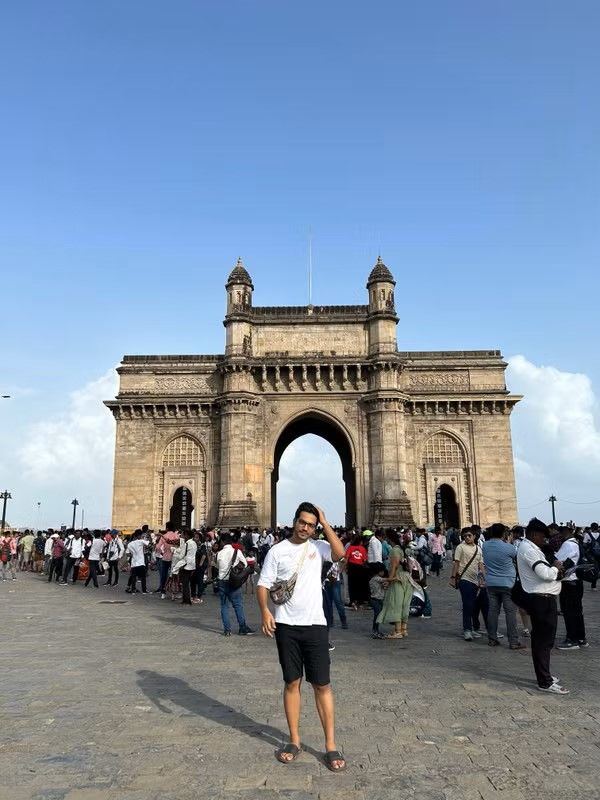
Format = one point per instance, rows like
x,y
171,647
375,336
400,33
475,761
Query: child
x,y
377,588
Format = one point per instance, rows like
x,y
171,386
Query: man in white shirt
x,y
300,627
94,556
375,549
571,594
74,550
540,582
135,550
227,558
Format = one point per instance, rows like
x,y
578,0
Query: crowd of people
x,y
518,570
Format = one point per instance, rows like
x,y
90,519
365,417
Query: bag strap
x,y
469,564
231,563
294,577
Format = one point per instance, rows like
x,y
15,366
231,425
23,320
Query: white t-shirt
x,y
136,548
569,549
375,551
96,548
306,604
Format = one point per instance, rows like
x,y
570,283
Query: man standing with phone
x,y
299,624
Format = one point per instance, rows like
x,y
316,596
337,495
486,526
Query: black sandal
x,y
334,755
291,749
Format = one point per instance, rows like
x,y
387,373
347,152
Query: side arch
x,y
443,459
181,465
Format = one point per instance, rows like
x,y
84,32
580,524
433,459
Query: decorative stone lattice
x,y
183,452
443,449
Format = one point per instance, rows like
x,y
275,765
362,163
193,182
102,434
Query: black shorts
x,y
304,648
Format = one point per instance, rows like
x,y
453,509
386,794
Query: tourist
x,y
227,559
571,593
135,552
94,555
8,555
332,596
165,547
37,552
25,548
467,577
48,544
375,549
358,573
540,582
58,553
437,545
186,567
398,592
74,554
300,627
114,553
377,586
591,541
500,573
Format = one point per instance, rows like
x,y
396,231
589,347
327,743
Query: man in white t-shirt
x,y
300,627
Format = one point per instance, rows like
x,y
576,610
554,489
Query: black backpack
x,y
587,567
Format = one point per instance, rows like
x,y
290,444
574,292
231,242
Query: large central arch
x,y
327,428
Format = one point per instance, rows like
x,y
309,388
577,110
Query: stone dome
x,y
239,274
380,273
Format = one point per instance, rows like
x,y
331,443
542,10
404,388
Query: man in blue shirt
x,y
499,560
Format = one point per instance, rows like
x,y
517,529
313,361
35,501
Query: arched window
x,y
183,452
443,449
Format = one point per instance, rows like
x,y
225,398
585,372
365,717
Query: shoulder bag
x,y
471,560
238,573
281,592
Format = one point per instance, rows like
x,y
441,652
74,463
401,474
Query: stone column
x,y
240,467
384,406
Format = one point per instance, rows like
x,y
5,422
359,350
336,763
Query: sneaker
x,y
476,635
518,646
499,636
425,616
468,635
331,646
526,633
226,633
163,595
583,643
246,632
567,645
554,689
555,679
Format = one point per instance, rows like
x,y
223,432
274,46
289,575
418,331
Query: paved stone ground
x,y
144,701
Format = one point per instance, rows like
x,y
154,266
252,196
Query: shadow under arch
x,y
331,430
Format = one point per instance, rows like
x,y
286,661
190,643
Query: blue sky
x,y
146,145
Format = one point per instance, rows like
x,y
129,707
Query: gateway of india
x,y
423,437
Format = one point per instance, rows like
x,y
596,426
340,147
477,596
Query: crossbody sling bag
x,y
281,592
472,559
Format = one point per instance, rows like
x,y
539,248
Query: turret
x,y
238,341
239,289
382,317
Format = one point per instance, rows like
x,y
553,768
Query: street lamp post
x,y
5,495
552,499
74,503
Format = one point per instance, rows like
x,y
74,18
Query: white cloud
x,y
76,445
556,437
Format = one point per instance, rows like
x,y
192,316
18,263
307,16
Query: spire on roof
x,y
239,274
380,273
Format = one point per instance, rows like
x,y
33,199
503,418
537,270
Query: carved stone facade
x,y
422,436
